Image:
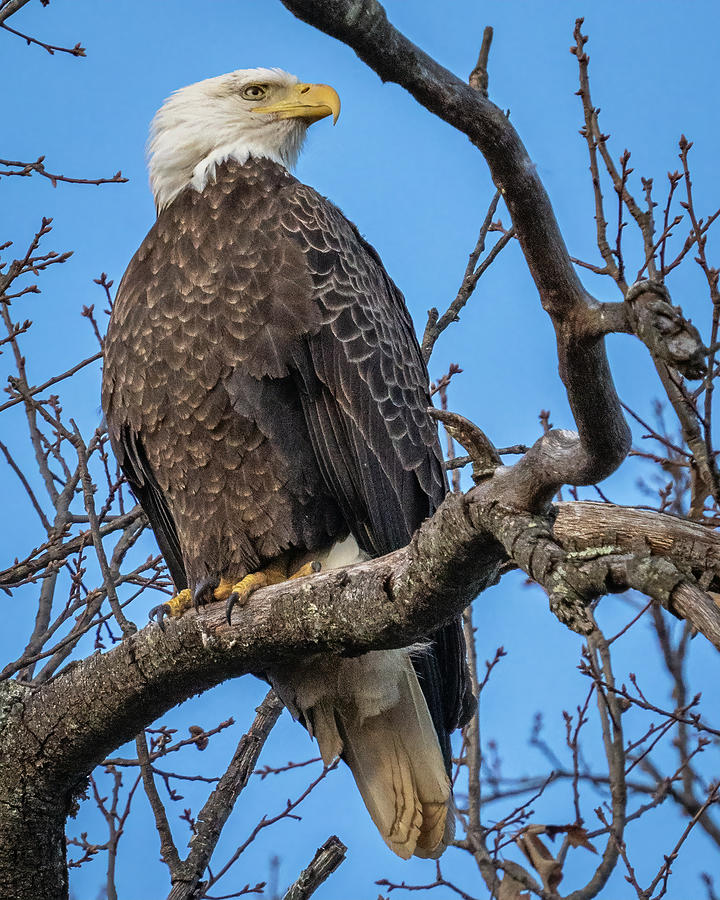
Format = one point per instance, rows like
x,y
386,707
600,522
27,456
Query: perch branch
x,y
383,603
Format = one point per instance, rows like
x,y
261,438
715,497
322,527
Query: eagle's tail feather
x,y
383,730
404,788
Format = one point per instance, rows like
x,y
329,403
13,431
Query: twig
x,y
436,324
440,881
26,169
594,137
478,78
23,480
265,822
168,850
127,627
57,551
471,732
77,50
50,382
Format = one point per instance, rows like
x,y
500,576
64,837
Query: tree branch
x,y
77,50
10,7
214,814
84,712
26,169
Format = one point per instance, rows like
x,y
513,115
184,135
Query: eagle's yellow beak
x,y
306,101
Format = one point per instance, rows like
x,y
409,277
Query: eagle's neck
x,y
182,157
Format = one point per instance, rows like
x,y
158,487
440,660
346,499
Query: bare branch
x,y
10,7
323,864
478,78
128,627
214,814
25,169
54,553
168,850
32,391
77,50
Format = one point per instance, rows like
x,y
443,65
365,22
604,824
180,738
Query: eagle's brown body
x,y
264,391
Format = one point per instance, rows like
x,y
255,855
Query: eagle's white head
x,y
251,112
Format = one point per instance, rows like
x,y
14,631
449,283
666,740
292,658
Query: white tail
x,y
371,710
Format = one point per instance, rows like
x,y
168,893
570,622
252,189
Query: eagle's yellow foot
x,y
274,573
239,591
180,603
310,568
174,607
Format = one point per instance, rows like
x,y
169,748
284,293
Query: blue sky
x,y
418,191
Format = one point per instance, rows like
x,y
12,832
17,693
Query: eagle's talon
x,y
205,592
157,614
229,604
274,573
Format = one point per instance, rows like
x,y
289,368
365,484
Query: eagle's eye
x,y
253,91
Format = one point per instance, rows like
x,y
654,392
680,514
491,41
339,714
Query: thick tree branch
x,y
695,548
93,706
51,734
669,337
55,733
79,716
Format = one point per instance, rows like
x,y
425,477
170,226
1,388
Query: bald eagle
x,y
267,401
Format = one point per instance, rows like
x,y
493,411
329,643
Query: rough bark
x,y
53,735
32,812
323,864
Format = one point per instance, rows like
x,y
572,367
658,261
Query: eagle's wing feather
x,y
363,380
364,388
133,462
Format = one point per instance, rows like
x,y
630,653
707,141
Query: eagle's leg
x,y
274,573
180,603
